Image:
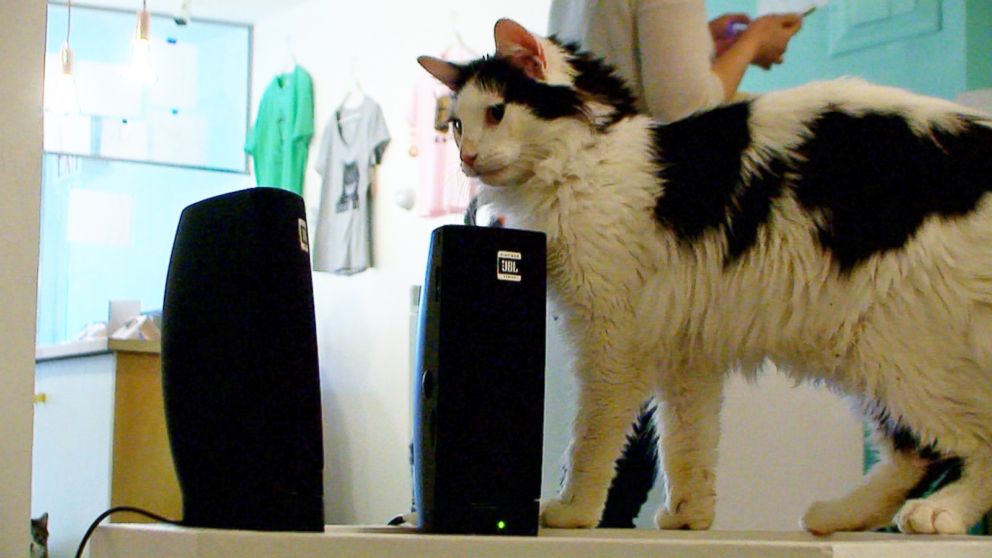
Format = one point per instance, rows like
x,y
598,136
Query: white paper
x,y
123,138
786,6
100,218
179,138
176,68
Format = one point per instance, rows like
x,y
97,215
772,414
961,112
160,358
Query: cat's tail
x,y
636,471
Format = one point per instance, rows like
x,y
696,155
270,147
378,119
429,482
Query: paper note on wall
x,y
100,218
105,89
786,6
68,133
178,137
176,66
122,138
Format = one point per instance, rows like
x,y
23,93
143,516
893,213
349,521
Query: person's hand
x,y
726,29
770,35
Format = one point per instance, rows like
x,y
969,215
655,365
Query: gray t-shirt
x,y
353,142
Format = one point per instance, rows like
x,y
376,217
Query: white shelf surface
x,y
161,541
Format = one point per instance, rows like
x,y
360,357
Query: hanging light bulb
x,y
66,97
141,53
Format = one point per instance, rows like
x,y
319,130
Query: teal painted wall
x,y
979,43
934,64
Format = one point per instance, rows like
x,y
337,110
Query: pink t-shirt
x,y
442,187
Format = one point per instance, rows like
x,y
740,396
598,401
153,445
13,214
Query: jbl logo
x,y
507,266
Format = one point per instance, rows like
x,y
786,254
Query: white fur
x,y
649,316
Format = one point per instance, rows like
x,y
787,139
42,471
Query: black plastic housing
x,y
479,382
239,365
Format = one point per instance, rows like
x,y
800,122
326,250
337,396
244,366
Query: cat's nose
x,y
469,159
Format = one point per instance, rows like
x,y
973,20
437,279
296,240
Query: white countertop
x,y
161,541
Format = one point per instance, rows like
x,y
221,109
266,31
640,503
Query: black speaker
x,y
239,365
479,398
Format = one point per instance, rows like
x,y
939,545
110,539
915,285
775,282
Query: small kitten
x,y
39,536
840,229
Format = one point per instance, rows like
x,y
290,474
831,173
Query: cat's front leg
x,y
607,406
690,432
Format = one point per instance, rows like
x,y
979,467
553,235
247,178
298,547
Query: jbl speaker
x,y
479,394
239,365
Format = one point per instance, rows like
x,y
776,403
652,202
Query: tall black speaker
x,y
479,399
239,365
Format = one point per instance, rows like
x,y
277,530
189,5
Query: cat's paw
x,y
694,515
926,517
824,518
555,513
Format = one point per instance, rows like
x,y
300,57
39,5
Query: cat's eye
x,y
457,125
494,114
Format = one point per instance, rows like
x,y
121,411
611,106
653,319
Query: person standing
x,y
676,61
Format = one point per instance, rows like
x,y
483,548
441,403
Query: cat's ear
x,y
446,72
522,48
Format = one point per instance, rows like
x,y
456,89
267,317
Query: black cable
x,y
99,519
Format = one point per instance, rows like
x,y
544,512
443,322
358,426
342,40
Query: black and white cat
x,y
841,229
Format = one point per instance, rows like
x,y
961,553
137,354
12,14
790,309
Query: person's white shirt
x,y
663,48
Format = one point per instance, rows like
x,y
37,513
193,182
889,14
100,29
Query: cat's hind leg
x,y
608,404
690,433
958,460
873,504
952,428
966,495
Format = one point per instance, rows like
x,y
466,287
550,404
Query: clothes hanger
x,y
354,96
457,41
291,63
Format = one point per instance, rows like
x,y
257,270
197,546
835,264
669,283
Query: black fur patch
x,y
595,81
904,441
941,469
601,83
872,179
498,75
875,180
699,162
752,209
939,474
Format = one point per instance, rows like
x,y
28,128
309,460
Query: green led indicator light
x,y
501,525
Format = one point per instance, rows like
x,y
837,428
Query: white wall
x,y
22,54
363,320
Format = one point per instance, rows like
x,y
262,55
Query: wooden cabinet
x,y
143,473
100,440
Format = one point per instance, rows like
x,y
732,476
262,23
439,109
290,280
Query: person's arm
x,y
675,48
763,43
733,63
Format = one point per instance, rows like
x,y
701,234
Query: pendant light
x,y
141,58
66,97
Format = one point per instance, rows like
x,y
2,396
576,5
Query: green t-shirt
x,y
280,139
